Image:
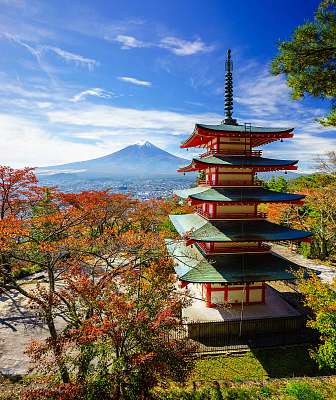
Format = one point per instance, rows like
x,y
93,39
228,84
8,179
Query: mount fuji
x,y
143,160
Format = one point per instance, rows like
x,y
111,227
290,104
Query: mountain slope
x,y
135,160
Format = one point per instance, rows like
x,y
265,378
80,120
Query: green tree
x,y
308,59
313,181
278,184
321,299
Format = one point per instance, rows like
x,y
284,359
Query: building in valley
x,y
224,254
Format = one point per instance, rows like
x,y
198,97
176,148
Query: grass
x,y
283,389
242,377
260,364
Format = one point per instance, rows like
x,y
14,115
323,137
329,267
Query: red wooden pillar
x,y
263,293
247,290
226,293
208,295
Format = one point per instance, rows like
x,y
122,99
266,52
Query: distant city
x,y
141,188
143,171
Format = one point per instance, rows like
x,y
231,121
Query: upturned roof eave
x,y
192,267
211,195
211,131
194,227
202,163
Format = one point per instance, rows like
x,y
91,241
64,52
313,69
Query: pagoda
x,y
225,251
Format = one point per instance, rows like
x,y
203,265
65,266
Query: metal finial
x,y
228,92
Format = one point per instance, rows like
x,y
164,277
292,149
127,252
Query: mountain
x,y
266,176
136,160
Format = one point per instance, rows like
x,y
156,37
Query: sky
x,y
81,79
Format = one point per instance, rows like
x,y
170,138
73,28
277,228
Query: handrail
x,y
233,215
253,153
261,248
230,183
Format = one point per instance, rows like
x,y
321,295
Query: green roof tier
x,y
241,128
196,228
257,163
202,194
259,135
191,266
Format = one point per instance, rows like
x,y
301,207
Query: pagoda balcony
x,y
262,248
258,215
206,182
248,153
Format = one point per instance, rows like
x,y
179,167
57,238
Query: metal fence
x,y
221,336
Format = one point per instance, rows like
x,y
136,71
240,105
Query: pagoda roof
x,y
196,228
236,194
261,163
192,266
241,128
259,135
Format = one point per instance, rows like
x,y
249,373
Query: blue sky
x,y
82,79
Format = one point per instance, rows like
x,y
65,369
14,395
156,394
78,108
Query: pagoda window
x,y
235,178
226,245
236,211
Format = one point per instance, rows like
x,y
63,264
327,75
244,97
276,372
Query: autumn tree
x,y
308,59
107,292
17,187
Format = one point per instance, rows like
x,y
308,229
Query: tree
x,y
278,184
321,299
328,163
17,187
107,293
308,59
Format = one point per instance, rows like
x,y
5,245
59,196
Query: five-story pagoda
x,y
225,252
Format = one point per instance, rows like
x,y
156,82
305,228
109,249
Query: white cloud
x,y
264,94
38,51
182,47
25,143
130,42
175,45
95,92
130,118
134,81
73,57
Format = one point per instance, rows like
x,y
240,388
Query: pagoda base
x,y
273,317
274,307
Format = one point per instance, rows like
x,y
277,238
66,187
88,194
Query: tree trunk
x,y
57,349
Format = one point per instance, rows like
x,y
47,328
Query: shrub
x,y
302,391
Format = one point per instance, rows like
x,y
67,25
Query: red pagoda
x,y
226,252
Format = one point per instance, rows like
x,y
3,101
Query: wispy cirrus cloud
x,y
130,42
72,57
94,92
263,95
175,45
39,50
182,47
134,81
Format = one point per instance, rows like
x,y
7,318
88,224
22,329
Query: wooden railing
x,y
249,153
258,215
262,248
204,182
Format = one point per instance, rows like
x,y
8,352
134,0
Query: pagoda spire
x,y
228,92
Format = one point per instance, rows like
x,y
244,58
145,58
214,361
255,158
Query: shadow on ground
x,y
288,362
